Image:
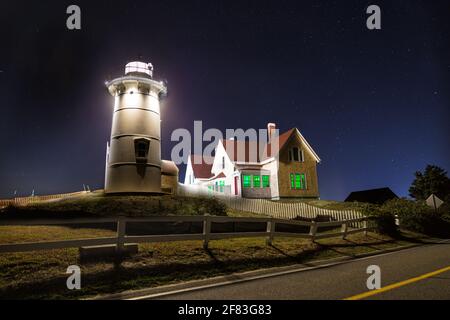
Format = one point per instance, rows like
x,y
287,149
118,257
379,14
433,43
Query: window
x,y
246,181
303,180
296,154
223,162
141,147
221,185
141,150
298,181
256,182
266,181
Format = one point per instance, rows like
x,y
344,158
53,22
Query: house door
x,y
236,181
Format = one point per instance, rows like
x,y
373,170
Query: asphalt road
x,y
349,279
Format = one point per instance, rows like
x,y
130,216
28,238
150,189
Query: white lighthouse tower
x,y
133,156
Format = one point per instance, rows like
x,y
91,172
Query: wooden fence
x,y
276,209
287,210
270,231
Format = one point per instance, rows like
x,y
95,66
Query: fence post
x,y
121,227
365,225
313,230
344,229
206,231
270,231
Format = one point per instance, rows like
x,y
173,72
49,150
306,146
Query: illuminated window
x,y
221,185
298,181
246,181
303,180
266,181
256,182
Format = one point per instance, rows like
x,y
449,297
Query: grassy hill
x,y
328,204
99,204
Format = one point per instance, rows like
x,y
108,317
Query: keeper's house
x,y
287,171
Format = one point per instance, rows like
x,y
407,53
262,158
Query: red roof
x,y
248,150
201,166
242,151
282,139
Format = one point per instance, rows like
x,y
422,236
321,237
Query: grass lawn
x,y
328,204
236,213
41,274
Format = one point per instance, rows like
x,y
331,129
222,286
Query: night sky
x,y
373,104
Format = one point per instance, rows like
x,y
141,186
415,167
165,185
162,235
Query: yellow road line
x,y
397,285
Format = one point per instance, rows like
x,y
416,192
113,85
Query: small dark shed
x,y
375,196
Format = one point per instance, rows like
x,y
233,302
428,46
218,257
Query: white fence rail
x,y
121,238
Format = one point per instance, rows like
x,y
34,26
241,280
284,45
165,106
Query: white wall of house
x,y
273,168
223,163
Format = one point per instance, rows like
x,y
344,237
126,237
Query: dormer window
x,y
141,147
296,154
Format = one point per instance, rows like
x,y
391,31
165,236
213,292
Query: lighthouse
x,y
133,155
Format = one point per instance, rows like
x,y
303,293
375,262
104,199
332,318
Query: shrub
x,y
417,216
383,221
214,207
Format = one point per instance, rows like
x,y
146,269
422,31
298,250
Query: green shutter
x,y
256,182
221,185
292,181
266,181
246,179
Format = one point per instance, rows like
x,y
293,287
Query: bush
x,y
202,206
418,217
383,221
